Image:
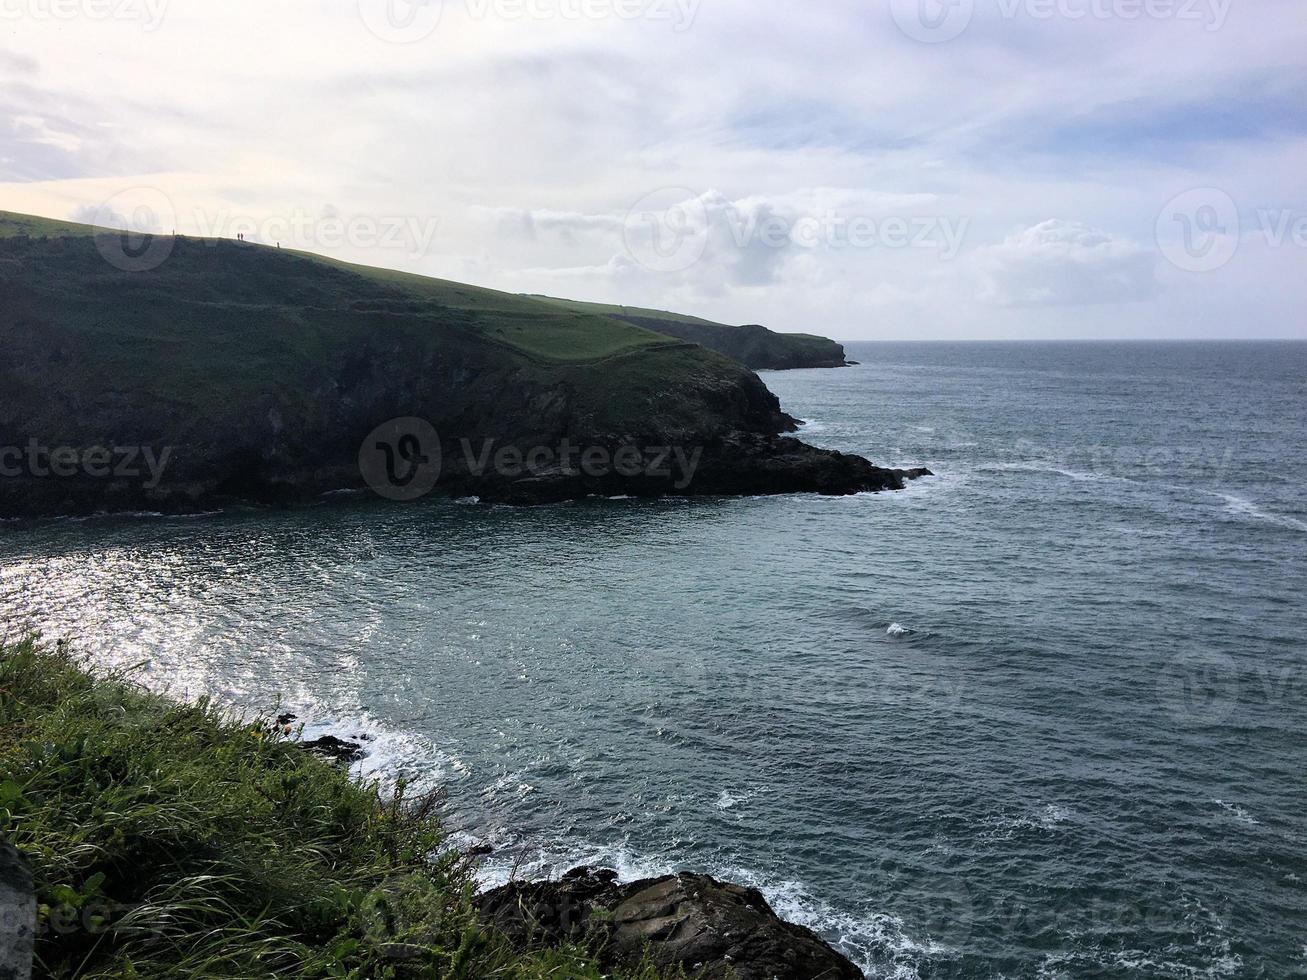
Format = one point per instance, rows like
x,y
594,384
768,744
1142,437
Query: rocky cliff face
x,y
232,374
710,929
17,915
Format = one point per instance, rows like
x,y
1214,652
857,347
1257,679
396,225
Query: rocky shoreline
x,y
712,930
741,464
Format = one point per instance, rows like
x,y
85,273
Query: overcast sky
x,y
924,169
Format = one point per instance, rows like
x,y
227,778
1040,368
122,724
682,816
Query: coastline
x,y
96,905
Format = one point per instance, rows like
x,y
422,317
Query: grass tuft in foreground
x,y
173,840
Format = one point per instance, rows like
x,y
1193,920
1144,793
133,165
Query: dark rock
x,y
736,464
712,929
17,915
481,850
336,749
286,719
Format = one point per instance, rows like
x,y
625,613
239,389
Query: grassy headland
x,y
262,371
752,345
173,840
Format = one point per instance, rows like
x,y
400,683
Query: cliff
x,y
230,372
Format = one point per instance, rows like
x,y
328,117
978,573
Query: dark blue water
x,y
1042,716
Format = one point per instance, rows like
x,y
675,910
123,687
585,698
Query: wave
x,y
132,515
1235,506
1238,813
898,629
1245,508
1047,819
388,754
1080,476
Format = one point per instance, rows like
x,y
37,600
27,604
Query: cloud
x,y
18,64
532,141
1065,263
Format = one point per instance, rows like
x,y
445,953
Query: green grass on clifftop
x,y
12,225
172,840
616,310
542,331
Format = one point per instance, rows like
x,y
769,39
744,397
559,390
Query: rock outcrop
x,y
17,915
711,929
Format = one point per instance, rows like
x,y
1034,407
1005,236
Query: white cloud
x,y
530,142
1065,263
34,129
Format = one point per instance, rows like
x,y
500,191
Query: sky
x,y
884,169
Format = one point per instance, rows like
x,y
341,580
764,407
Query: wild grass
x,y
209,283
176,840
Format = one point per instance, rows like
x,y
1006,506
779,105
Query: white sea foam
x,y
388,754
1079,476
1053,815
1048,819
128,514
1245,508
1238,813
898,629
1132,962
131,515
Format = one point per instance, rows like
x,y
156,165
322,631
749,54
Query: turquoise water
x,y
1041,716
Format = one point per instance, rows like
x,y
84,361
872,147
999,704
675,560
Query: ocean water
x,y
1044,715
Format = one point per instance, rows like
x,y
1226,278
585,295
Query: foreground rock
x,y
17,915
712,929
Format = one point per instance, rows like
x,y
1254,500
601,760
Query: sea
x,y
1042,715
